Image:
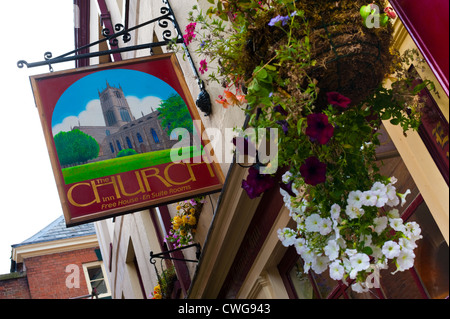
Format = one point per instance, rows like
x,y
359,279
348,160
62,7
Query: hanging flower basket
x,y
313,70
185,222
349,58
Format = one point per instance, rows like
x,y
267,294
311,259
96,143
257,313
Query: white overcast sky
x,y
28,197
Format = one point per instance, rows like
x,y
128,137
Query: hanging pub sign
x,y
123,137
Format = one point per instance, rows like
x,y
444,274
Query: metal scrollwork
x,y
163,22
48,55
167,17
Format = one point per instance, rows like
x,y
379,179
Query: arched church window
x,y
110,118
125,115
139,137
117,94
118,145
112,147
129,142
155,136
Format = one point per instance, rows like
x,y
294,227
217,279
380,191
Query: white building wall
x,y
135,232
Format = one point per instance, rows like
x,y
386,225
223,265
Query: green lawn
x,y
119,165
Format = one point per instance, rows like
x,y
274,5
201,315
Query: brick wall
x,y
46,276
14,286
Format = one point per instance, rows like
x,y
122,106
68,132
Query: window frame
x,y
92,265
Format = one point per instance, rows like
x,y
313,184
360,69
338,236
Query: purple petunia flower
x,y
280,110
313,171
337,99
318,128
256,183
284,125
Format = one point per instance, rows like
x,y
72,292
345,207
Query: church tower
x,y
115,108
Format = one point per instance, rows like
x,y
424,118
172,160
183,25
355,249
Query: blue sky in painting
x,y
81,98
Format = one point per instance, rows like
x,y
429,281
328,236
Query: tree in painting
x,y
174,113
75,147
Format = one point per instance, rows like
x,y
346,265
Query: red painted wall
x,y
427,21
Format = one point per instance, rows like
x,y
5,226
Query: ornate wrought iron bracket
x,y
167,16
166,254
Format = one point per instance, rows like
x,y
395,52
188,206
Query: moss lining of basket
x,y
351,58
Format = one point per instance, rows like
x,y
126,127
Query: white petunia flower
x,y
393,202
355,198
382,199
391,249
286,178
405,259
391,191
325,226
350,252
287,236
393,213
369,198
308,255
403,197
413,231
332,250
360,261
393,179
320,264
300,245
380,224
407,244
376,252
397,224
313,222
379,188
353,211
335,211
359,287
336,270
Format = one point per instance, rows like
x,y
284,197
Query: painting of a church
x,y
122,130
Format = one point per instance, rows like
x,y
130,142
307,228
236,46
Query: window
x,y
117,94
125,115
110,118
94,274
155,136
139,137
119,146
112,147
129,142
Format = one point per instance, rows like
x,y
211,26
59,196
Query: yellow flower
x,y
177,221
157,289
157,296
192,210
185,219
183,232
178,207
192,220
